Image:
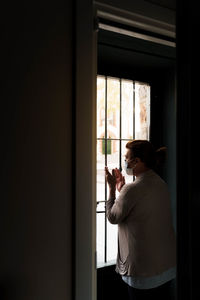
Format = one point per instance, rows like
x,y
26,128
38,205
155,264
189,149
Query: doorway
x,y
140,60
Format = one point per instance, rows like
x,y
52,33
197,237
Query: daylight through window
x,y
123,114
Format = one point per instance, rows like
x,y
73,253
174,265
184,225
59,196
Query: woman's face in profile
x,y
129,158
135,163
128,155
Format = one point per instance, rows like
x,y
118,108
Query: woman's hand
x,y
120,180
110,178
115,180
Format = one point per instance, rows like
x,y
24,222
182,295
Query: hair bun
x,y
161,155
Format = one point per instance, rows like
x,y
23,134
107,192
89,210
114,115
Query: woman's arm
x,y
117,209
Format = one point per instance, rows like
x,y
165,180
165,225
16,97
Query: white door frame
x,y
85,206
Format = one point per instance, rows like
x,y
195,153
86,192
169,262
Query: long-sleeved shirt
x,y
146,237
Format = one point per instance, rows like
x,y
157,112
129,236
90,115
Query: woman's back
x,y
146,235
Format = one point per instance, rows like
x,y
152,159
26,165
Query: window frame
x,y
106,139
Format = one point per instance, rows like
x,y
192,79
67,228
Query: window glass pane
x,y
127,109
100,185
113,158
128,178
109,145
100,237
101,206
112,236
112,154
113,108
100,106
135,123
142,111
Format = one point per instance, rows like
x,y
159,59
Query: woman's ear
x,y
137,160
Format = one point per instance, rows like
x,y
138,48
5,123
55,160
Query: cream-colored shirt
x,y
146,237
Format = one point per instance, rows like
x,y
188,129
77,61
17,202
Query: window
x,y
123,114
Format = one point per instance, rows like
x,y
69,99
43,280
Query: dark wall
x,y
36,144
163,125
170,136
188,162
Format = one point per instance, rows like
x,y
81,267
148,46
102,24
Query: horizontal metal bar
x,y
113,139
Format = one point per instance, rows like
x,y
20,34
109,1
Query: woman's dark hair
x,y
143,149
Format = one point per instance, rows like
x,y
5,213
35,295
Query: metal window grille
x,y
115,113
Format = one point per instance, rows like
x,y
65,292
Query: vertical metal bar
x,y
105,243
120,128
133,109
133,114
149,137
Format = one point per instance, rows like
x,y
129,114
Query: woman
x,y
147,245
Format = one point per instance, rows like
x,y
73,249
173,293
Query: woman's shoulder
x,y
130,188
159,184
127,186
